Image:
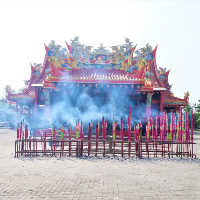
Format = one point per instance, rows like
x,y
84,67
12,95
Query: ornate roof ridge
x,y
153,52
48,49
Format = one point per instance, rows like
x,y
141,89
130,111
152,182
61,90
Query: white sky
x,y
174,26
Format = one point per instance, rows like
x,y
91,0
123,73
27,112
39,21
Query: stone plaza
x,y
96,178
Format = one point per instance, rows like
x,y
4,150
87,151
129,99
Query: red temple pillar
x,y
161,102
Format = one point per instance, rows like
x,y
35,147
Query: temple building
x,y
120,77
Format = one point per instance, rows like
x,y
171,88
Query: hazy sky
x,y
174,26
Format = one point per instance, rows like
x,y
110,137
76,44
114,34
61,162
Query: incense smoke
x,y
86,104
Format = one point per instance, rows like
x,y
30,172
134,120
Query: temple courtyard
x,y
96,178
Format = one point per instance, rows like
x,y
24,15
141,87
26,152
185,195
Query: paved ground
x,y
92,178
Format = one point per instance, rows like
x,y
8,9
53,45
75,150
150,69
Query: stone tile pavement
x,y
93,178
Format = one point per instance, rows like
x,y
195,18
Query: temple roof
x,y
168,96
94,76
155,80
147,56
80,51
38,76
112,61
82,65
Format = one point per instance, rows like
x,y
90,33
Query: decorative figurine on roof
x,y
101,50
26,82
75,42
37,73
121,57
131,68
148,82
86,54
162,70
67,66
114,59
99,60
127,40
186,95
52,59
128,44
162,77
141,62
57,61
149,74
169,86
63,50
60,53
76,55
48,71
115,49
121,49
37,69
86,58
8,88
88,48
52,46
79,51
138,53
78,48
147,49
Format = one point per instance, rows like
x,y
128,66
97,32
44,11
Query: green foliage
x,y
198,107
197,114
196,120
188,108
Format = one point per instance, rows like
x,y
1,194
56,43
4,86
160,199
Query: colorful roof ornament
x,y
26,82
162,70
147,49
149,75
82,53
162,77
146,52
36,68
101,50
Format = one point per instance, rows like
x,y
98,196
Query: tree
x,y
197,114
197,107
188,108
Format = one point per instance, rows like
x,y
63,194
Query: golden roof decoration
x,y
186,95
